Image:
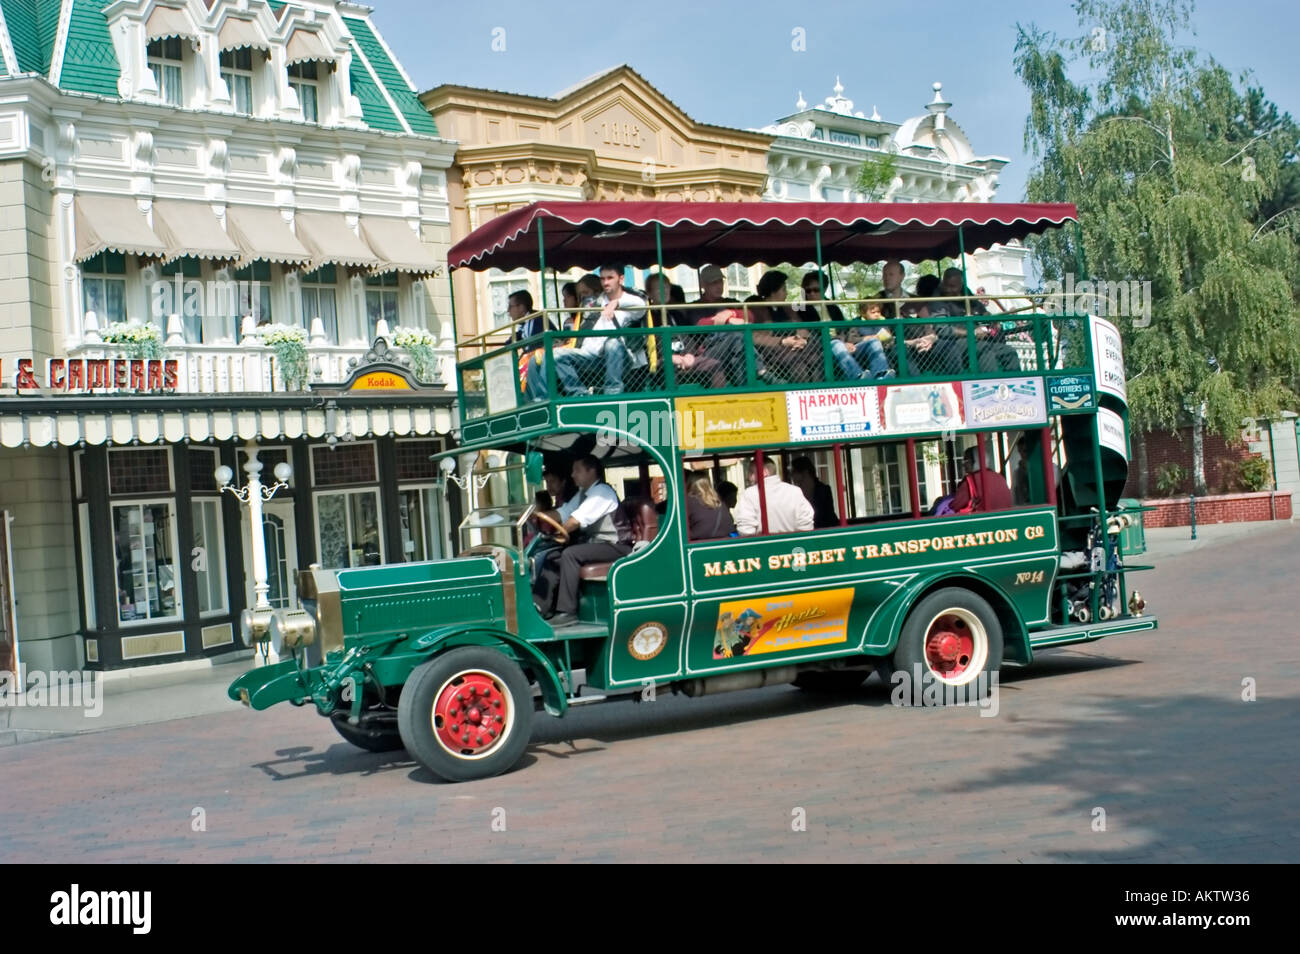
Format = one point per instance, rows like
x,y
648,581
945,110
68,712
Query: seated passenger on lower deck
x,y
596,513
981,491
787,508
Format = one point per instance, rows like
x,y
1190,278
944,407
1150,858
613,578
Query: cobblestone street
x,y
1151,728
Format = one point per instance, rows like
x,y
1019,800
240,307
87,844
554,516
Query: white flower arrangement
x,y
419,344
140,340
290,347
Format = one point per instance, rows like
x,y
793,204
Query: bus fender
x,y
524,652
264,686
1015,638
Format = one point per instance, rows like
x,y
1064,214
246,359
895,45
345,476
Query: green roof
x,y
32,25
408,104
90,63
89,60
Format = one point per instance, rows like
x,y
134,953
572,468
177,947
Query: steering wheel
x,y
561,534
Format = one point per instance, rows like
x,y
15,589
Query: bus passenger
x,y
818,493
707,518
597,512
853,346
790,355
619,308
787,508
981,491
520,305
729,493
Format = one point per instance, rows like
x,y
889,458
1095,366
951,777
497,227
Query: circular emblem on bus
x,y
647,641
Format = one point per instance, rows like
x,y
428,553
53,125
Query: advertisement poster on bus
x,y
1110,431
774,624
1108,359
1017,402
1070,392
911,408
833,413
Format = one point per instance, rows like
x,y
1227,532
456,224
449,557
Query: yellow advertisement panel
x,y
380,381
774,624
709,422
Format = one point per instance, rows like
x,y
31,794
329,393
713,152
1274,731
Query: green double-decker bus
x,y
927,486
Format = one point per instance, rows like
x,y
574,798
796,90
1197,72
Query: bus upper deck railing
x,y
660,354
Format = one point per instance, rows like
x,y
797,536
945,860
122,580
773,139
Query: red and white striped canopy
x,y
588,234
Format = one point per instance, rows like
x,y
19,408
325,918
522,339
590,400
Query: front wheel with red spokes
x,y
466,714
948,648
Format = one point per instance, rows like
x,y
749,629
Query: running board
x,y
1058,635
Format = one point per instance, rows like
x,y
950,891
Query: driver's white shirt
x,y
591,505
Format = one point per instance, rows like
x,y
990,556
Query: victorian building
x,y
613,136
219,216
817,151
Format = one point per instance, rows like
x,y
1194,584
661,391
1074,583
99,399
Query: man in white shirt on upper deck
x,y
619,308
788,509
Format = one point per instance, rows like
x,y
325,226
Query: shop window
x,y
350,463
319,290
237,71
145,547
304,80
166,62
207,556
347,528
420,511
381,302
102,291
203,466
413,460
144,471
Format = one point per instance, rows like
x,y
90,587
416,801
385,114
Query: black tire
x,y
416,715
832,681
372,738
967,612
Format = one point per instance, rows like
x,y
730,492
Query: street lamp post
x,y
255,621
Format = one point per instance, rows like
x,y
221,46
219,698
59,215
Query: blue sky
x,y
731,63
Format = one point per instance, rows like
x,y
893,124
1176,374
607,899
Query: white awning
x,y
399,246
331,241
47,427
168,21
304,45
191,228
264,236
236,33
113,223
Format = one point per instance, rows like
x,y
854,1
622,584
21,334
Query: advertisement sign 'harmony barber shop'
x,y
96,375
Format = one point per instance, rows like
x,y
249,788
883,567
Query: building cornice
x,y
437,151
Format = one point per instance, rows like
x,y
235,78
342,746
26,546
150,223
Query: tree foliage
x,y
1182,178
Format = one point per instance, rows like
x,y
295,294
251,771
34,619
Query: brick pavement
x,y
1151,728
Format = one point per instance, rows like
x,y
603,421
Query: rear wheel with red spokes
x,y
949,645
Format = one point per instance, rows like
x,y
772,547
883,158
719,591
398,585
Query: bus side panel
x,y
785,624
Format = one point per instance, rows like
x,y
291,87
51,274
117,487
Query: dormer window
x,y
165,62
237,71
304,80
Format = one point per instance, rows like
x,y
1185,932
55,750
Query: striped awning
x,y
304,45
113,223
169,21
332,241
399,246
236,33
264,236
44,426
191,229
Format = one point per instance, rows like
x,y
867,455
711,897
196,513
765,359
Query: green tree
x,y
876,175
1176,172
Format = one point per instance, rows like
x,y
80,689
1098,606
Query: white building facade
x,y
217,215
817,152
